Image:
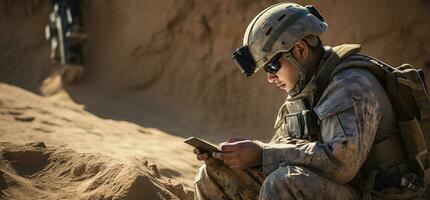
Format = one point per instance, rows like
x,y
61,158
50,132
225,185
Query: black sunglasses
x,y
274,65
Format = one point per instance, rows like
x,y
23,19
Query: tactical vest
x,y
395,156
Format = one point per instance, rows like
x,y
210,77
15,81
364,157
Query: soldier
x,y
331,134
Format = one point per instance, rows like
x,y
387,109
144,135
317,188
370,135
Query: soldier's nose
x,y
271,77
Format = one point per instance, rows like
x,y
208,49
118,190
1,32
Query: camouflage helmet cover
x,y
277,28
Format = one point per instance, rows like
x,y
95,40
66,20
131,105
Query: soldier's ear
x,y
301,50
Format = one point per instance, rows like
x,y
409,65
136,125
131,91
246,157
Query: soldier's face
x,y
286,78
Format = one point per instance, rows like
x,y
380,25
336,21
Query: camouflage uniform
x,y
337,136
351,111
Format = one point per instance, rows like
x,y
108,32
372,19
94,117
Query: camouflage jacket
x,y
351,111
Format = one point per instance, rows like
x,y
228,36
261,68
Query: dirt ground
x,y
123,153
156,73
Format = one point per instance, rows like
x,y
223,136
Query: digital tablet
x,y
202,145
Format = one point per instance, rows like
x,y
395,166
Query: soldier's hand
x,y
241,154
208,159
202,156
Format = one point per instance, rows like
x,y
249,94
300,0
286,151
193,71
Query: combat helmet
x,y
276,30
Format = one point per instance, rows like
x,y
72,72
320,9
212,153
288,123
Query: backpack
x,y
407,91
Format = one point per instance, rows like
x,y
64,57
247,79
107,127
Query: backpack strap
x,y
390,78
336,54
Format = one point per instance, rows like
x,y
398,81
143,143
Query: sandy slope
x,y
25,117
34,171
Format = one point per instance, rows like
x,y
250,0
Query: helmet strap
x,y
289,56
302,73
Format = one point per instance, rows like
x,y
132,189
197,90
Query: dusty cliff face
x,y
175,55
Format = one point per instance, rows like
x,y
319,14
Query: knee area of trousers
x,y
286,175
275,178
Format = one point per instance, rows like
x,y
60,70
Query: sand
x,y
122,160
156,73
34,171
